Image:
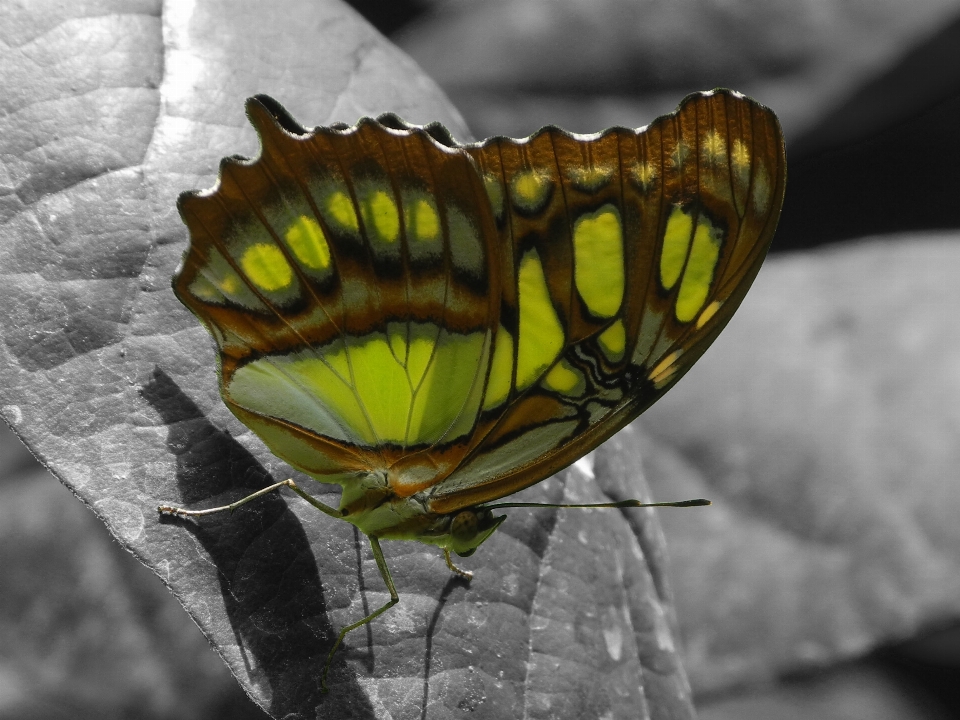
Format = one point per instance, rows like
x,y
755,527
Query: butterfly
x,y
434,326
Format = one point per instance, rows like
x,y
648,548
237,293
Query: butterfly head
x,y
392,518
469,528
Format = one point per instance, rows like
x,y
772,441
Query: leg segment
x,y
394,599
466,575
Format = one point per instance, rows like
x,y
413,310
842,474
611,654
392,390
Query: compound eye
x,y
464,526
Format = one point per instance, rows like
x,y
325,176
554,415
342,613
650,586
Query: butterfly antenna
x,y
621,504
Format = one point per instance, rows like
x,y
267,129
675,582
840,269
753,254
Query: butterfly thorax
x,y
376,510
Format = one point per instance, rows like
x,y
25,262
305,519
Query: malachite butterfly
x,y
434,325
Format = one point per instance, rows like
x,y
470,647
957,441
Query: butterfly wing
x,y
344,275
625,254
466,321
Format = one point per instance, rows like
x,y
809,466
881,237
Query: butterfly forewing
x,y
649,240
467,320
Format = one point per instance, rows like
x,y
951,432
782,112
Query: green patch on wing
x,y
406,388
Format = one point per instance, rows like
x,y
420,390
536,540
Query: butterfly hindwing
x,y
345,276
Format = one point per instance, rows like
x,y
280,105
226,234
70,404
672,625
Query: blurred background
x,y
869,97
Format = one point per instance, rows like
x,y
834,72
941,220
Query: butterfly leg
x,y
465,574
182,512
394,599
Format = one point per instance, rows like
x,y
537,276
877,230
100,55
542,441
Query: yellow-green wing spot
x,y
676,243
541,335
565,379
266,267
693,254
309,245
530,191
613,341
368,390
501,371
341,212
423,222
598,260
381,217
699,272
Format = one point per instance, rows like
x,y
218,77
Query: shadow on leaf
x,y
271,588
